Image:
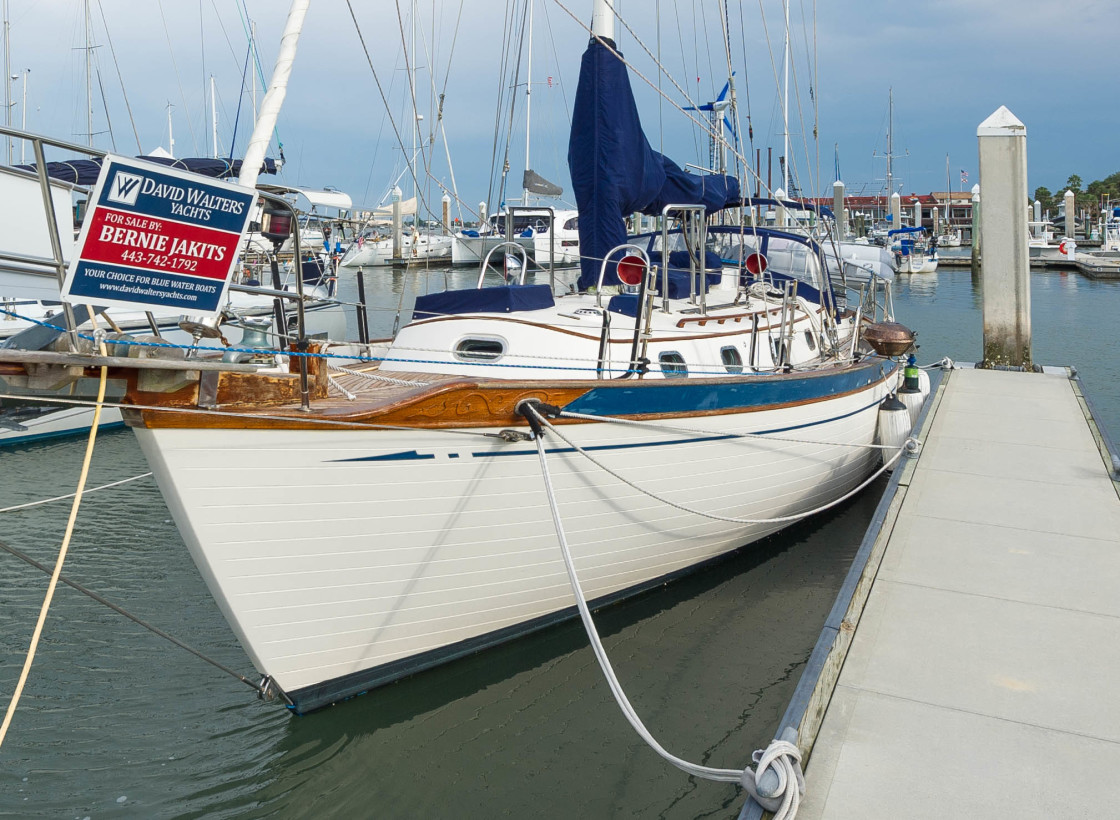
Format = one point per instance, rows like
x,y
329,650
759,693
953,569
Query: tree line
x,y
1093,197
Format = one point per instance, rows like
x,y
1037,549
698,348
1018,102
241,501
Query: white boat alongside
x,y
560,244
416,248
472,247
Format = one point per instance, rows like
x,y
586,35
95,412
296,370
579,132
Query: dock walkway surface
x,y
983,678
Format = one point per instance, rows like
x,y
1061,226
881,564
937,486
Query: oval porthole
x,y
672,365
809,340
479,349
731,359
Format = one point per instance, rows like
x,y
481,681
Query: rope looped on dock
x,y
777,783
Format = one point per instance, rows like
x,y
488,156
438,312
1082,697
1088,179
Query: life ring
x,y
1062,248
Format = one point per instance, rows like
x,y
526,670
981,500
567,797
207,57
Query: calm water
x,y
117,723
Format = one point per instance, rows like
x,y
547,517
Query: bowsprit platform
x,y
158,237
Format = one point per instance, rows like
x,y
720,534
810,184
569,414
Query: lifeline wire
x,y
61,557
910,443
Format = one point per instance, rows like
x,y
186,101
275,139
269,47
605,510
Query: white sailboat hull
x,y
344,559
472,250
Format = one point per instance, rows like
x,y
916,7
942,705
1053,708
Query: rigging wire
x,y
705,127
381,89
105,107
178,77
120,78
507,39
240,99
243,13
512,111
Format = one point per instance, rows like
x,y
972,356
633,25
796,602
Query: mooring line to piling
x,y
30,504
778,782
61,556
8,548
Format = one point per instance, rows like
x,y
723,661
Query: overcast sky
x,y
951,64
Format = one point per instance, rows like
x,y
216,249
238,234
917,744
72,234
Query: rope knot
x,y
777,783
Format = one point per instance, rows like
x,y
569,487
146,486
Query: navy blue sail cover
x,y
614,170
501,299
84,171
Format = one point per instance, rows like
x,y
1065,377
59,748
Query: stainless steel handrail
x,y
507,244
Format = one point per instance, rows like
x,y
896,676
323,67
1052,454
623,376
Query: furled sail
x,y
85,171
614,170
534,183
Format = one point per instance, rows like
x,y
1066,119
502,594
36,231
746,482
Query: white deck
x,y
984,676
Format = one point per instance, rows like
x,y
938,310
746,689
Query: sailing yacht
x,y
408,507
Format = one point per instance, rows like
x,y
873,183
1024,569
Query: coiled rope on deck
x,y
782,758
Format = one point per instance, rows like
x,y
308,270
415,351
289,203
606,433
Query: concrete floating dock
x,y
977,643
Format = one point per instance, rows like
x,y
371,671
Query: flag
x,y
550,82
964,176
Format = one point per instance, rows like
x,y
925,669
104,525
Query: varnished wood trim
x,y
480,404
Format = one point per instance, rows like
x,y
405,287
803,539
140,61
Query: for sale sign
x,y
158,237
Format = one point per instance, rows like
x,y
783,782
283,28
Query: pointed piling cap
x,y
1002,124
838,184
1069,195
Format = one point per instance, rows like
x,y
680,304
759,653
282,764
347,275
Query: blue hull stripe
x,y
413,455
693,395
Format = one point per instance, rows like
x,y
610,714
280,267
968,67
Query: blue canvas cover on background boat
x,y
84,171
614,170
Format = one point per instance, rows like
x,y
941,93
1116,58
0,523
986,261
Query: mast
x,y
89,82
170,134
213,118
948,195
253,49
785,108
602,20
23,116
890,141
528,99
274,97
7,78
415,113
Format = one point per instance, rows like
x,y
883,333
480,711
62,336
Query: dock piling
x,y
975,232
1003,227
1069,200
838,209
395,196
